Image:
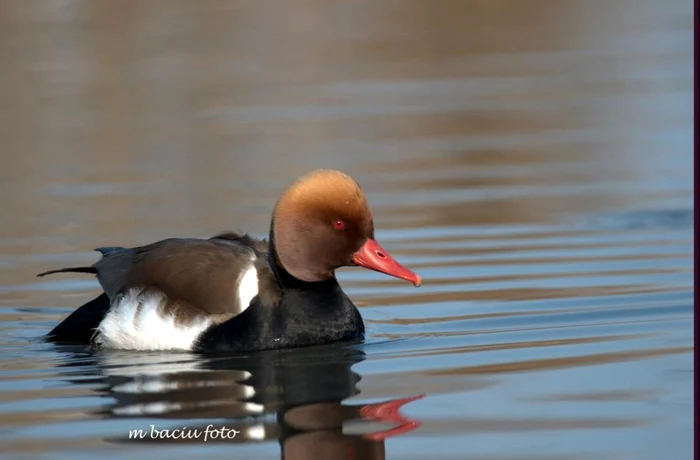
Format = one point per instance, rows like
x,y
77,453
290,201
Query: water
x,y
530,160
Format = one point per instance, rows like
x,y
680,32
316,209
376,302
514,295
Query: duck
x,y
236,293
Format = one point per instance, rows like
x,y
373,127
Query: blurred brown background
x,y
532,160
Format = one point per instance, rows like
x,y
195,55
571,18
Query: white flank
x,y
247,287
127,327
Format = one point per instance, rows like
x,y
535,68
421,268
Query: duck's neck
x,y
287,281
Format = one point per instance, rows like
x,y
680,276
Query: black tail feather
x,y
91,270
109,250
79,326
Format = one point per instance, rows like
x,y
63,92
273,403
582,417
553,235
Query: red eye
x,y
339,225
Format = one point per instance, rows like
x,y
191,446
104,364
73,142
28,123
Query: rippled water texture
x,y
531,160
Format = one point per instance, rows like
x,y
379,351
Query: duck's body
x,y
235,293
204,295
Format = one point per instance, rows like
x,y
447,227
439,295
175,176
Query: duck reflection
x,y
292,396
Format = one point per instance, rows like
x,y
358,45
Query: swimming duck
x,y
235,293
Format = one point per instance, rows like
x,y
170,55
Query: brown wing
x,y
260,246
203,273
